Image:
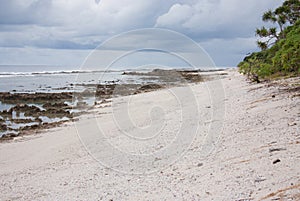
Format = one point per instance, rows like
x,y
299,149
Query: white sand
x,y
55,165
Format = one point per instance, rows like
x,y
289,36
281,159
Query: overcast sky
x,y
64,32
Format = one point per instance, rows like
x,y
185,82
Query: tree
x,y
290,10
287,13
270,34
280,45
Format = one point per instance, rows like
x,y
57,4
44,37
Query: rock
x,y
105,90
13,135
276,149
22,121
259,180
171,75
9,136
5,137
200,164
3,127
24,108
30,127
276,161
150,87
191,77
58,105
15,98
56,112
38,119
292,123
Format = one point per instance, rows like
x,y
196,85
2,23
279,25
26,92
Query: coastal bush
x,y
282,56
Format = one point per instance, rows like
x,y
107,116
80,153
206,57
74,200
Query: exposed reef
x,y
35,111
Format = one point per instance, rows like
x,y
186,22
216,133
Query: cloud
x,y
79,21
19,12
82,25
177,16
215,18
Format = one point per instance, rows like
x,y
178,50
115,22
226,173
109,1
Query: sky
x,y
65,32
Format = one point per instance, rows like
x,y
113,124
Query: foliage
x,y
287,14
283,56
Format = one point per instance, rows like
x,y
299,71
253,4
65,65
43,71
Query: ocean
x,y
49,80
30,79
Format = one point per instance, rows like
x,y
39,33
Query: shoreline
x,y
33,112
259,142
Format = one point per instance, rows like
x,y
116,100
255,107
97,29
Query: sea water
x,y
30,79
45,79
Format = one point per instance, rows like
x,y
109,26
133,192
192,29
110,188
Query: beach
x,y
252,155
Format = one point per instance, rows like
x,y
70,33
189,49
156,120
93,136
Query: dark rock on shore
x,y
56,112
9,135
3,127
17,98
61,105
23,121
150,87
171,75
31,118
192,77
105,90
29,110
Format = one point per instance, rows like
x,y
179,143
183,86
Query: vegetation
x,y
280,49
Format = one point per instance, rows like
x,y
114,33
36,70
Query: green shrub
x,y
283,57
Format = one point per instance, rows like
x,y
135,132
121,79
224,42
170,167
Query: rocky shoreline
x,y
33,112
